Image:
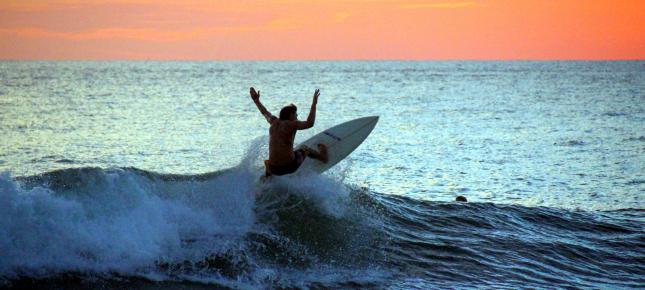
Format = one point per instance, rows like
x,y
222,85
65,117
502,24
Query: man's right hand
x,y
255,95
316,94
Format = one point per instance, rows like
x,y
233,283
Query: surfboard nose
x,y
371,118
374,119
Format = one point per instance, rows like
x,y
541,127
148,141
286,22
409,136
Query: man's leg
x,y
267,172
320,155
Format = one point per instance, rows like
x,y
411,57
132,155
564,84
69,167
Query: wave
x,y
509,245
114,220
128,225
222,227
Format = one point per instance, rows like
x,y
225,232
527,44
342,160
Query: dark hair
x,y
286,112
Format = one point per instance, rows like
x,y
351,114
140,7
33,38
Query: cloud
x,y
26,6
41,5
341,16
443,5
143,34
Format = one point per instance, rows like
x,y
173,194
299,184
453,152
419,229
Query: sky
x,y
322,30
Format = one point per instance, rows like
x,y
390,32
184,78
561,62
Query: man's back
x,y
281,136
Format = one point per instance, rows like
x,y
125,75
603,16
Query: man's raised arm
x,y
311,119
256,99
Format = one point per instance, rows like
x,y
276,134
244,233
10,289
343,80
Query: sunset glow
x,y
321,30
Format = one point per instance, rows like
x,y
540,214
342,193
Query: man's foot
x,y
322,153
306,149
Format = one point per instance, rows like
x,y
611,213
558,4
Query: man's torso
x,y
281,137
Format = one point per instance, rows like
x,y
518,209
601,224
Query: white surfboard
x,y
340,140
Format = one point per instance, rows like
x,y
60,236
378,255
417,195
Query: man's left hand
x,y
255,95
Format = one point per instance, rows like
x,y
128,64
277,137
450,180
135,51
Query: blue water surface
x,y
550,156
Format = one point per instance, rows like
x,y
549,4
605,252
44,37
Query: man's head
x,y
289,112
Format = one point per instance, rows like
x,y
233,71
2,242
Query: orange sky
x,y
314,29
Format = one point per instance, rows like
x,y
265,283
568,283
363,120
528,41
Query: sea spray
x,y
123,223
225,227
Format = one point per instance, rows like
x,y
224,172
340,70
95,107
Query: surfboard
x,y
340,140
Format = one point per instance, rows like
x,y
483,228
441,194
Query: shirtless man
x,y
282,158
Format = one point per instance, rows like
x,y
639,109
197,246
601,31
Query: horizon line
x,y
320,60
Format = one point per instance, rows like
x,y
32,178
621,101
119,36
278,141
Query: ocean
x,y
143,174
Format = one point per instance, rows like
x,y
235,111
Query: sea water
x,y
145,174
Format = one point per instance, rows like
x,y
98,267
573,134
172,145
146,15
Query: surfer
x,y
282,132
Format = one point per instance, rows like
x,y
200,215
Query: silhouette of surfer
x,y
282,132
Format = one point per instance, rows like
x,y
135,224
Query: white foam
x,y
125,222
125,225
326,192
